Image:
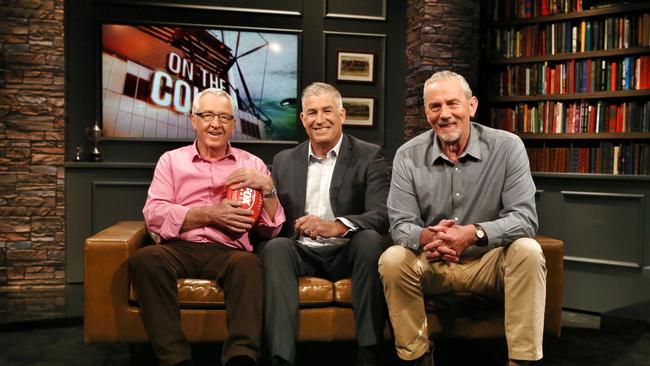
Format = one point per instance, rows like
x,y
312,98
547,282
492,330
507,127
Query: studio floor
x,y
47,329
582,343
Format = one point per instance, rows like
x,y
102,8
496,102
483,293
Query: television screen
x,y
150,74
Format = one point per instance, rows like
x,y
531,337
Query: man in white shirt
x,y
333,188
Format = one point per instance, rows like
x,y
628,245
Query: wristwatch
x,y
271,194
481,237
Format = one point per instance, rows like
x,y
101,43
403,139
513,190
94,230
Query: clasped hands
x,y
447,241
313,226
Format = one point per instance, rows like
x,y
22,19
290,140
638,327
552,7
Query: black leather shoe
x,y
426,359
241,361
185,363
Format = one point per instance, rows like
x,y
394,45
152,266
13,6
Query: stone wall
x,y
32,145
441,35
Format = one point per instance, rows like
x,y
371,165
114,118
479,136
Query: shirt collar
x,y
332,153
196,156
473,148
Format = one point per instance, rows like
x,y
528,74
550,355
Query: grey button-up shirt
x,y
490,185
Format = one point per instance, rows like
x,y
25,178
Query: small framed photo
x,y
355,66
359,111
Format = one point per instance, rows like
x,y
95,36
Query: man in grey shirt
x,y
462,207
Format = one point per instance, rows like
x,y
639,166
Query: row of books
x,y
608,158
574,76
615,32
576,117
504,10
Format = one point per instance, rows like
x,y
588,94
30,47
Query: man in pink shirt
x,y
203,235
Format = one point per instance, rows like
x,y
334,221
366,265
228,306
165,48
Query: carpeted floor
x,y
582,343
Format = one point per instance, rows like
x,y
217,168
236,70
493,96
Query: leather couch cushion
x,y
205,294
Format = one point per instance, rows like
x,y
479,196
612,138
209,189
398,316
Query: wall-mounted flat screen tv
x,y
150,74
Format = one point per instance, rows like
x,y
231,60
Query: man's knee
x,y
245,262
367,244
145,257
276,249
393,262
527,251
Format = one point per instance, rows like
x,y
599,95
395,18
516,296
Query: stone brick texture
x,y
441,35
32,145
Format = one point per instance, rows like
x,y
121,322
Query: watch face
x,y
479,232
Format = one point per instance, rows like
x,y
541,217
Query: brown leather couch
x,y
111,313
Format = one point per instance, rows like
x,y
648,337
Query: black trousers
x,y
285,260
154,271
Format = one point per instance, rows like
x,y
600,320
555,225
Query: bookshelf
x,y
572,79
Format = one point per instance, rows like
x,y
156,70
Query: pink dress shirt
x,y
183,179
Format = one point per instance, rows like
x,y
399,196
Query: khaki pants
x,y
516,273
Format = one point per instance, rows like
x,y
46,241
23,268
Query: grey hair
x,y
447,75
214,91
317,89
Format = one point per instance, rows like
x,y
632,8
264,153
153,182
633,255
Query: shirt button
x,y
457,194
456,169
456,218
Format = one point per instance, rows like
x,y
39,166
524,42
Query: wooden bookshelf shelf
x,y
572,56
573,96
610,10
586,136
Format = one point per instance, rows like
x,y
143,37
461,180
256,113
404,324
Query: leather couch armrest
x,y
554,253
106,284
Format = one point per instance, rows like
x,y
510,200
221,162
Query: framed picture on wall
x,y
359,111
355,66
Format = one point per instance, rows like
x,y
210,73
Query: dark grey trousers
x,y
285,260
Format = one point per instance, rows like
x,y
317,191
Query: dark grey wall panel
x,y
121,194
365,43
370,9
123,199
599,288
611,231
603,222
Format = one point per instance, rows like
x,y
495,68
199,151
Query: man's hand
x,y
437,249
227,216
247,177
447,241
451,242
313,226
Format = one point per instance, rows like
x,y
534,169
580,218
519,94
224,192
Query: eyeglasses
x,y
209,117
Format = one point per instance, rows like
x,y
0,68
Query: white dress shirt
x,y
317,201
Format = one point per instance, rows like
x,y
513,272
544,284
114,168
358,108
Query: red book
x,y
592,119
613,80
552,81
619,118
611,118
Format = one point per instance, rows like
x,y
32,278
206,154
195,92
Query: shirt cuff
x,y
352,228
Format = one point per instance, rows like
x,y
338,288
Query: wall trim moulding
x,y
378,35
381,17
639,250
207,7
